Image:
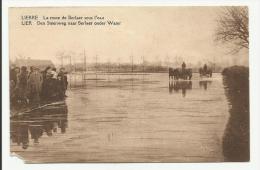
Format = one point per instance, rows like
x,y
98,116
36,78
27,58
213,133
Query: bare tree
x,y
233,27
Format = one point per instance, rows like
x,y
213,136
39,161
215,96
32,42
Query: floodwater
x,y
127,118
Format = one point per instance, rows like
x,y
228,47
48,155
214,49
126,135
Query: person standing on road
x,y
45,83
205,67
22,85
14,72
183,66
53,84
183,69
62,83
34,85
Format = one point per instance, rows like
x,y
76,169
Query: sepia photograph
x,y
129,84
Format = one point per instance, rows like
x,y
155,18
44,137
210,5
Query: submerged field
x,y
129,118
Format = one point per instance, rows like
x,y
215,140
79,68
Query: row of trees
x,y
232,29
128,67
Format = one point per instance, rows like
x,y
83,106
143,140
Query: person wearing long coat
x,y
34,85
45,84
22,85
14,72
53,84
62,83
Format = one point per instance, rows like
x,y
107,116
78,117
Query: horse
x,y
173,73
179,73
207,72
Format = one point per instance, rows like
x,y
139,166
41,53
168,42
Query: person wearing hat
x,y
22,85
34,85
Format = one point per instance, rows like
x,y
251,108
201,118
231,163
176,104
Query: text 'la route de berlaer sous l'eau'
x,y
70,20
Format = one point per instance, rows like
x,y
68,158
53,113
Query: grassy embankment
x,y
236,138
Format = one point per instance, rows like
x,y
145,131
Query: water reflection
x,y
180,85
204,84
46,120
19,135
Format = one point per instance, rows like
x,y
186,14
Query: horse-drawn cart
x,y
180,73
205,72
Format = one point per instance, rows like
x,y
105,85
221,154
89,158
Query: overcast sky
x,y
152,32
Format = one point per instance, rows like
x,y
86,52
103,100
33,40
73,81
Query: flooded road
x,y
128,118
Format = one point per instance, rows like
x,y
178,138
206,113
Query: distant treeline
x,y
113,67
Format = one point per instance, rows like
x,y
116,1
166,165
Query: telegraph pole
x,y
119,67
96,58
70,64
70,71
132,61
143,67
62,61
143,63
85,62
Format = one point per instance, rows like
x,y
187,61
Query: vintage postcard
x,y
129,84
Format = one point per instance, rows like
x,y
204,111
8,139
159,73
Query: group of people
x,y
34,86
